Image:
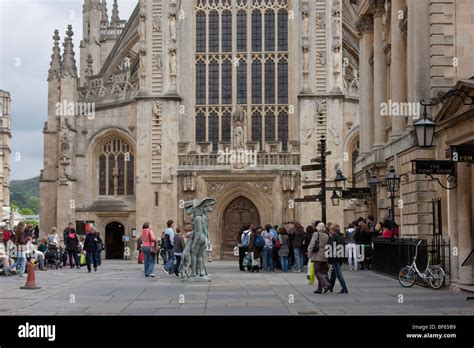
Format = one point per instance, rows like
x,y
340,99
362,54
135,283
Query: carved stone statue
x,y
199,209
239,137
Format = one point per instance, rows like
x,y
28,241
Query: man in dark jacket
x,y
336,253
90,248
72,248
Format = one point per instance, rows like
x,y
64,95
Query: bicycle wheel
x,y
407,277
436,277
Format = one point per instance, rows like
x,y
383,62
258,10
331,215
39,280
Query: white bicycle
x,y
433,275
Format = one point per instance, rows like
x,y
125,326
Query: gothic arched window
x,y
200,83
257,82
227,82
241,31
270,126
226,31
214,130
116,169
201,32
283,129
226,119
200,127
257,127
269,30
283,30
256,31
242,59
214,31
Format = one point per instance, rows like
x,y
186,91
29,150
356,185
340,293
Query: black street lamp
x,y
335,198
374,184
425,130
392,181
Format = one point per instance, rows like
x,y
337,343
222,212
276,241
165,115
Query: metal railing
x,y
389,256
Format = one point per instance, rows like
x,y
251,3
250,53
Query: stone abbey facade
x,y
5,149
188,99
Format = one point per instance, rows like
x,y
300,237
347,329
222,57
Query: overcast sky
x,y
26,30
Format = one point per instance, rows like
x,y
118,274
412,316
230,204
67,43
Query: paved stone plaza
x,y
120,289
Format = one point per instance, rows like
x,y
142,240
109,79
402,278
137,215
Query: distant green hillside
x,y
25,194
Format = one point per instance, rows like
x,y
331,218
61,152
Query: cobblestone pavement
x,y
120,288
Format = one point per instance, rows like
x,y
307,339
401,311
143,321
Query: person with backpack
x,y
256,244
72,249
336,242
284,248
178,249
169,245
297,238
267,254
243,244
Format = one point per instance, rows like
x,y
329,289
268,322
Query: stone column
x,y
366,92
380,78
453,234
421,50
464,208
398,72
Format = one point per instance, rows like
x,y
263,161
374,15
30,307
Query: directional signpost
x,y
320,166
305,187
311,167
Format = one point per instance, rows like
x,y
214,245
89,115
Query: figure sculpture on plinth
x,y
199,209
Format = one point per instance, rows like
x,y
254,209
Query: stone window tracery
x,y
241,60
116,169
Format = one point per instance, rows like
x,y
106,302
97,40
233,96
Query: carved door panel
x,y
239,212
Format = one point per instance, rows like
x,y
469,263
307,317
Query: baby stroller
x,y
53,256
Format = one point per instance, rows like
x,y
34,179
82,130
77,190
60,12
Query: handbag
x,y
140,257
154,249
247,262
316,245
277,243
310,275
82,260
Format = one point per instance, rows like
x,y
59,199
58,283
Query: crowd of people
x,y
285,249
23,243
169,248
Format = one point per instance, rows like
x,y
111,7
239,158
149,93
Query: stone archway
x,y
114,245
237,213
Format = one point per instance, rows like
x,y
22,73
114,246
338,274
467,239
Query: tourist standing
x,y
20,241
255,250
351,246
317,254
148,240
72,249
284,250
306,240
243,244
336,242
276,259
178,249
268,249
297,243
100,245
169,245
90,248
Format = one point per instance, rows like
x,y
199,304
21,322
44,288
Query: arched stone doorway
x,y
114,245
238,212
